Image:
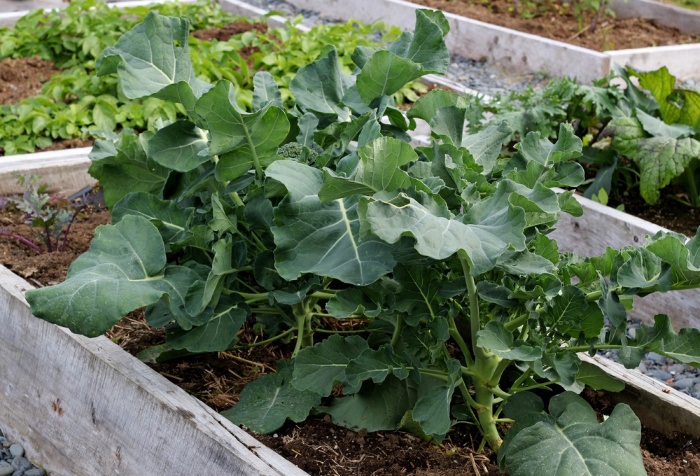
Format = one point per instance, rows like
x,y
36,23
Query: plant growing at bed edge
x,y
429,245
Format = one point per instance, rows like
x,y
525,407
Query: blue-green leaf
x,y
243,140
570,441
312,237
266,403
153,59
123,270
319,367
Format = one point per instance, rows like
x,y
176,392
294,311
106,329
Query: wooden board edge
x,y
236,7
658,406
112,406
684,19
478,40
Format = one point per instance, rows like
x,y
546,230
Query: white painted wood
x,y
510,48
601,227
685,20
683,61
477,40
658,406
66,171
236,7
85,407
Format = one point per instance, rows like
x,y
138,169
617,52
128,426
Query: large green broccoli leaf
x,y
313,237
439,235
153,59
243,140
408,58
125,269
569,440
660,159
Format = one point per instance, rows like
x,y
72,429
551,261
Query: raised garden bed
x,y
41,401
75,102
150,277
513,49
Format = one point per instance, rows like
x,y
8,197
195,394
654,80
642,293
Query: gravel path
x,y
13,462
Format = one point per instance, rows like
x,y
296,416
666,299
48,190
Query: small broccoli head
x,y
297,151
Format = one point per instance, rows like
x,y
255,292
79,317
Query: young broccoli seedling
x,y
41,212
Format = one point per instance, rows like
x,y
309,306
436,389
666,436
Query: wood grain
x,y
85,407
601,227
658,406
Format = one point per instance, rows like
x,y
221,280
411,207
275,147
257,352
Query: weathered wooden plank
x,y
601,227
478,40
84,407
66,171
513,49
658,406
685,20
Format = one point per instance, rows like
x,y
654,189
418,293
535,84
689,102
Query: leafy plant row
x,y
295,216
645,134
74,102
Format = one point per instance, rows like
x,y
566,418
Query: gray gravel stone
x,y
659,359
660,375
35,472
20,462
19,472
16,450
686,383
677,368
6,470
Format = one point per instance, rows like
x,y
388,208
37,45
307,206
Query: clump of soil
x,y
23,78
316,445
227,31
611,33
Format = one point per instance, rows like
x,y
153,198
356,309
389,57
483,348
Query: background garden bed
x,y
513,49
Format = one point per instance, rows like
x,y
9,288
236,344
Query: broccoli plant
x,y
325,211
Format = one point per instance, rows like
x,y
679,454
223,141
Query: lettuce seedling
x,y
442,251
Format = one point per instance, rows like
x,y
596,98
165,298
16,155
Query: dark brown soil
x,y
668,212
316,445
227,31
22,78
47,268
611,33
63,144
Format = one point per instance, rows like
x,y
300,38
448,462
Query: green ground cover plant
x,y
644,135
75,102
292,216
